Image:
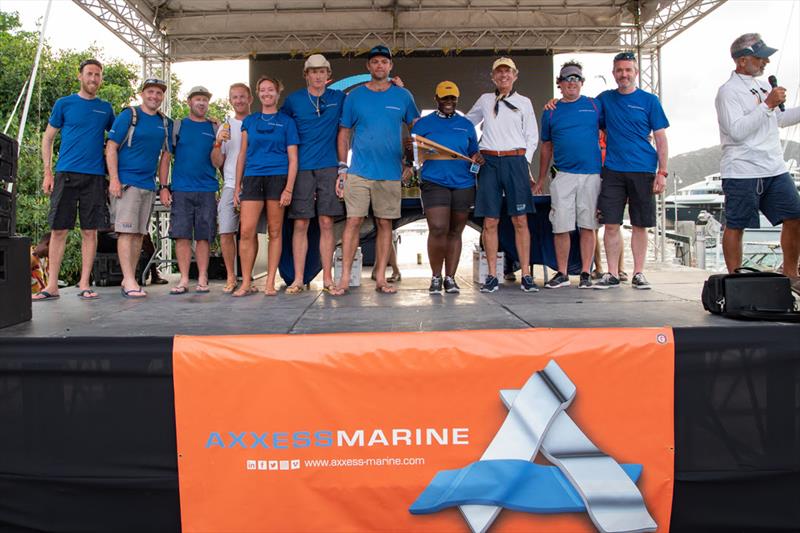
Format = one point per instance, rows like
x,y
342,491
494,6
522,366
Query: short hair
x,y
274,81
90,61
572,63
240,85
743,41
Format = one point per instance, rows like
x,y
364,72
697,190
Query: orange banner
x,y
343,432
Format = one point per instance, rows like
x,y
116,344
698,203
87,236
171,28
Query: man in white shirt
x,y
225,154
754,174
508,141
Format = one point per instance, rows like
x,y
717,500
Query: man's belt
x,y
504,153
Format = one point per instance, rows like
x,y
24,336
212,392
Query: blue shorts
x,y
193,215
509,176
776,197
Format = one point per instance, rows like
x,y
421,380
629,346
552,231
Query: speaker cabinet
x,y
15,280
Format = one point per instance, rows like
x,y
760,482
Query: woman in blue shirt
x,y
448,186
265,173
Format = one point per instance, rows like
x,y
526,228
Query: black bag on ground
x,y
750,295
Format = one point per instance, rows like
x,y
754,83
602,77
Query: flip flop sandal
x,y
229,288
180,289
84,295
385,289
396,276
333,290
202,289
129,293
294,289
270,292
241,293
46,296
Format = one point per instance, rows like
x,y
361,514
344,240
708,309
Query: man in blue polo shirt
x,y
316,111
192,194
373,116
570,137
629,173
79,181
132,156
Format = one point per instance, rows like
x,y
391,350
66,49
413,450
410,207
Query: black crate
x,y
107,272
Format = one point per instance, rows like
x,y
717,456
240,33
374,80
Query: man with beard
x,y
754,174
140,136
79,181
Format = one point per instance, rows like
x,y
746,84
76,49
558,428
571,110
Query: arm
x,y
545,157
531,134
737,123
112,162
291,175
240,161
663,156
790,117
47,158
217,157
342,147
475,115
163,178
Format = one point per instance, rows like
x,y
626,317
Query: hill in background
x,y
692,167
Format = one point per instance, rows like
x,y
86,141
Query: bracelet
x,y
217,144
287,190
662,173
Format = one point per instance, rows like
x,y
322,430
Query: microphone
x,y
773,82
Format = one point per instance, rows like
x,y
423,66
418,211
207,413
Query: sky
x,y
693,65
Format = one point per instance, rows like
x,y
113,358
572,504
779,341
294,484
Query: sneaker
x,y
558,280
623,276
640,282
450,285
597,274
528,285
436,285
490,285
510,276
586,281
608,282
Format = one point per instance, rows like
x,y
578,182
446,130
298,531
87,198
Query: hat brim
x,y
765,51
207,95
162,87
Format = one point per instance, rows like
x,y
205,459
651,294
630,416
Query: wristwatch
x,y
161,187
662,173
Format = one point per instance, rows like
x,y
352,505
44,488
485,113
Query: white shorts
x,y
573,200
227,217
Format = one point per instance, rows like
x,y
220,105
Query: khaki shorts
x,y
132,210
573,200
384,195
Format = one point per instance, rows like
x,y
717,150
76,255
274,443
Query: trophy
x,y
428,150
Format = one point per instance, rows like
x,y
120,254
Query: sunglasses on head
x,y
625,56
154,81
572,78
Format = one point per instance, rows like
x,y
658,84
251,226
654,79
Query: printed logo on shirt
x,y
100,111
589,110
393,107
204,133
636,107
461,129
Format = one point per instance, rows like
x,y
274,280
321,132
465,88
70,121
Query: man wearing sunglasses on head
x,y
570,138
79,182
754,174
373,118
633,171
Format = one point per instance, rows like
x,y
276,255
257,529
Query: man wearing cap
x,y
138,137
373,118
754,174
508,141
448,186
570,138
192,193
224,156
316,111
629,174
79,181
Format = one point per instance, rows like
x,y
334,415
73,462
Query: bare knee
x,y
301,224
490,224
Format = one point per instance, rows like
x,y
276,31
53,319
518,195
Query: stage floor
x,y
674,300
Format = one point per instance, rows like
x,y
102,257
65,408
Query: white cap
x,y
316,61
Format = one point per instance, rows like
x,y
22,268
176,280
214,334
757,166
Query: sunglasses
x,y
154,81
572,78
751,50
625,56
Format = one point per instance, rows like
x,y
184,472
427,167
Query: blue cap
x,y
380,50
757,49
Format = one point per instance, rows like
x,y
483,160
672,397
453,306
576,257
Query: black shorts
x,y
262,188
315,194
633,188
435,195
193,215
74,193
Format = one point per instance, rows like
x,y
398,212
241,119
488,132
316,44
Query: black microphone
x,y
773,81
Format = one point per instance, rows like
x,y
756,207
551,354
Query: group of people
x,y
295,157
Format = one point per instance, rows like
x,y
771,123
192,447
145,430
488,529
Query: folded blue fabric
x,y
510,483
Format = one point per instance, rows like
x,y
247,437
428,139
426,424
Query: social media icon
x,y
262,465
295,464
251,464
284,465
273,465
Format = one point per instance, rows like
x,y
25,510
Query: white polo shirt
x,y
748,129
510,129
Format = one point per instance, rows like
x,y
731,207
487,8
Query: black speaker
x,y
15,280
8,158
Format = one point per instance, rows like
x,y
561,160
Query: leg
x,y
491,243
612,238
201,255
248,243
522,238
383,243
58,242
438,226
227,241
299,250
562,245
274,246
349,244
587,248
393,260
639,248
183,251
458,219
790,244
326,247
598,257
88,251
128,250
732,248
